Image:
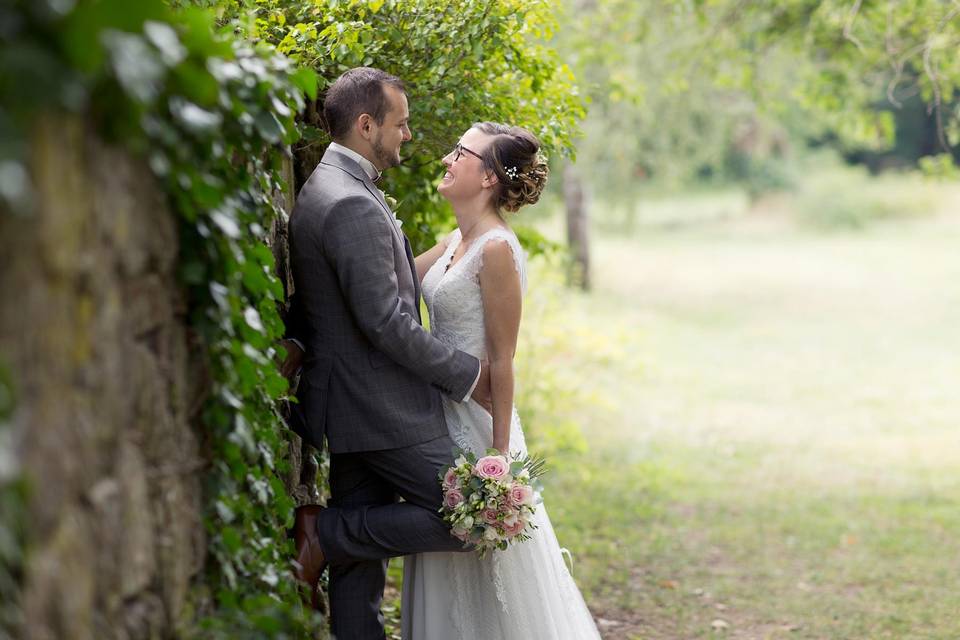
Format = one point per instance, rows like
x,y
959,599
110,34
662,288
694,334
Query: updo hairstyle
x,y
514,157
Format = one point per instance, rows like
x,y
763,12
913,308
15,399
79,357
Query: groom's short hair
x,y
357,91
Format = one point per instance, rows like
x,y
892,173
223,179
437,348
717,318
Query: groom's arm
x,y
358,242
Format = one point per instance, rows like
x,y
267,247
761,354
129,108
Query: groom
x,y
372,376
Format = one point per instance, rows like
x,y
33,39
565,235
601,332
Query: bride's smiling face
x,y
466,176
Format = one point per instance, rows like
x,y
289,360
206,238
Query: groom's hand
x,y
481,393
293,361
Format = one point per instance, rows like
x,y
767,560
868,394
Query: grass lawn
x,y
785,461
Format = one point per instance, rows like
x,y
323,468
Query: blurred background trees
x,y
720,93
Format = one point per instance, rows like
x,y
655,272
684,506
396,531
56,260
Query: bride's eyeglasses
x,y
459,150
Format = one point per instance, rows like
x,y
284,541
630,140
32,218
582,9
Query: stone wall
x,y
92,328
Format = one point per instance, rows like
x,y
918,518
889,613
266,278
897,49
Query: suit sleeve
x,y
358,242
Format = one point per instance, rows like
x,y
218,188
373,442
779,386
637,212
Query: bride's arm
x,y
502,296
426,259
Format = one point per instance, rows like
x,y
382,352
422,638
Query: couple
x,y
392,400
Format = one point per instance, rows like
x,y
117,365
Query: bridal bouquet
x,y
490,502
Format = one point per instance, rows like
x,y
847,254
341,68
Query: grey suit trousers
x,y
364,525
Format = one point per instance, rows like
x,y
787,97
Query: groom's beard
x,y
385,158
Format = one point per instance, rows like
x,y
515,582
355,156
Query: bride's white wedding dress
x,y
525,592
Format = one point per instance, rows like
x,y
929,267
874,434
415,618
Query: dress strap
x,y
502,235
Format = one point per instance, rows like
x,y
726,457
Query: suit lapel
x,y
341,161
349,165
376,193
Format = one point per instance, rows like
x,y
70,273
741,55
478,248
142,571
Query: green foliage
x,y
940,166
211,116
462,62
663,110
726,91
848,55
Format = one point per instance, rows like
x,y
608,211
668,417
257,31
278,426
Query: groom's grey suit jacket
x,y
372,377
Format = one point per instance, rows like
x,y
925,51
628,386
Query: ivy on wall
x,y
212,115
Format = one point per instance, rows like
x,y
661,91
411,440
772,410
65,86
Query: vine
x,y
212,116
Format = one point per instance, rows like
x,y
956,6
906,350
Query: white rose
x,y
467,522
489,533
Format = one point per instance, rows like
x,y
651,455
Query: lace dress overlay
x,y
526,591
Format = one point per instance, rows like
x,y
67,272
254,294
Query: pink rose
x,y
494,467
489,516
450,478
520,494
512,530
452,498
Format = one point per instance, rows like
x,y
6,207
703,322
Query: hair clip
x,y
511,172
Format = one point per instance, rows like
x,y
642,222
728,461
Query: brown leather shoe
x,y
310,562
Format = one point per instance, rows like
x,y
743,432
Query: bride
x,y
473,283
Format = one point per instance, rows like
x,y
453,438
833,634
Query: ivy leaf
x,y
226,222
164,38
252,318
231,539
193,118
305,79
196,83
224,511
269,127
136,65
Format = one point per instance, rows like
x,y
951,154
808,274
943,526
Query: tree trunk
x,y
578,226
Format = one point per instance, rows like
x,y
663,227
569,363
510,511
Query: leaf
x,y
83,27
224,219
196,83
193,118
223,511
231,539
165,38
305,79
269,126
136,66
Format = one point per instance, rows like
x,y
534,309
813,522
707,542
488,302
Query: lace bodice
x,y
453,297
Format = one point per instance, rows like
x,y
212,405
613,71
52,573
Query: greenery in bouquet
x,y
490,502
